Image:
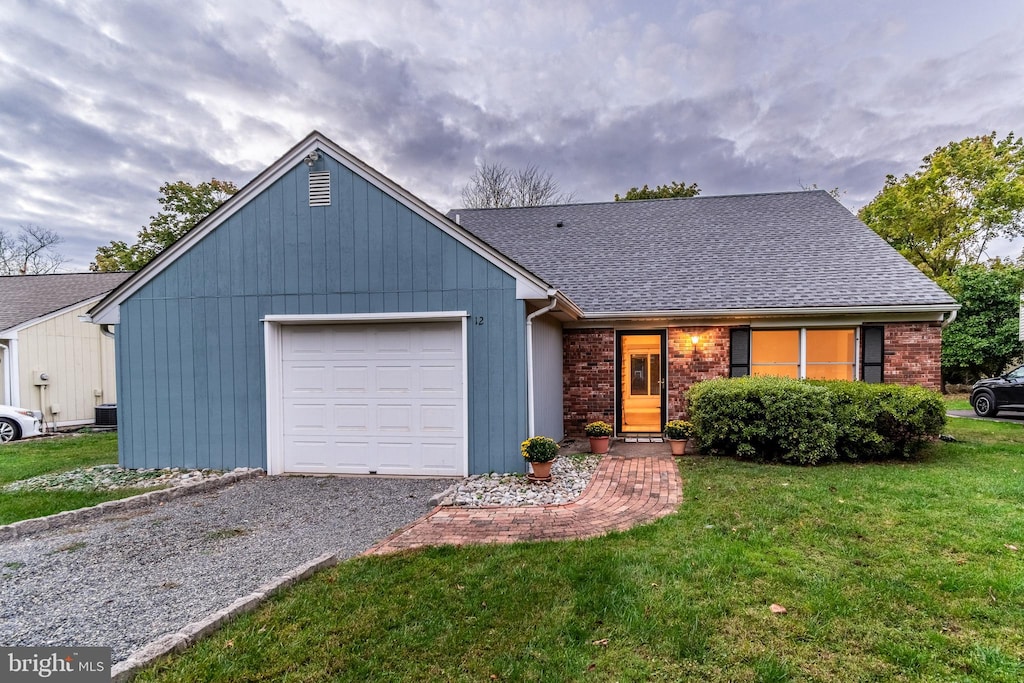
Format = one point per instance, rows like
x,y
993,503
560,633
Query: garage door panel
x,y
435,418
303,342
441,379
384,398
349,379
395,418
397,457
353,456
440,458
357,342
304,417
308,455
304,379
395,379
391,342
352,417
440,340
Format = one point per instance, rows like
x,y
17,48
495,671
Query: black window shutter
x,y
872,364
739,352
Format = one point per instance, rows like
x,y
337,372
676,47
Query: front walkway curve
x,y
636,483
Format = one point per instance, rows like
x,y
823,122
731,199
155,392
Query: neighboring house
x,y
324,319
41,333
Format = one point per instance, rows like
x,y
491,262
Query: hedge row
x,y
811,422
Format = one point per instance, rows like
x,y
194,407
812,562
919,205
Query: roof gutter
x,y
552,303
755,312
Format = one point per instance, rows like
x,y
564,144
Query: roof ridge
x,y
87,272
642,201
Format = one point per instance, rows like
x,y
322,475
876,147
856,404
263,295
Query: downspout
x,y
552,302
951,318
4,354
945,323
12,376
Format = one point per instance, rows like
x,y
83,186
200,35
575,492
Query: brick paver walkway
x,y
636,483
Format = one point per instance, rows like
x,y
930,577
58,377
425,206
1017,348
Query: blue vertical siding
x,y
190,343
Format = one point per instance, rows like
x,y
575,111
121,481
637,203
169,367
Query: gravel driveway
x,y
123,581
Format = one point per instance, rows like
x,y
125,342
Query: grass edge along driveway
x,y
895,571
24,459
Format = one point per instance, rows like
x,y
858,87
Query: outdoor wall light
x,y
312,158
695,339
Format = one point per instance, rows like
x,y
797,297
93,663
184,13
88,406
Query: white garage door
x,y
373,399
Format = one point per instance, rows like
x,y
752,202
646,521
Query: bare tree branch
x,y
493,186
32,251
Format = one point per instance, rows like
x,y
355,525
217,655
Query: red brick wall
x,y
913,354
688,364
588,378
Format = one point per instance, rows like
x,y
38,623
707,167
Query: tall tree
x,y
494,186
660,192
184,205
983,339
962,197
31,251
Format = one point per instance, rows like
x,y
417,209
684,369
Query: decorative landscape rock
x,y
569,476
108,477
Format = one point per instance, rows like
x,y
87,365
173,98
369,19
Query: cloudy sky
x,y
102,102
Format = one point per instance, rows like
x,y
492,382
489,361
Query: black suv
x,y
989,396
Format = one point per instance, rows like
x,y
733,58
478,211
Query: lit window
x,y
830,354
775,352
826,354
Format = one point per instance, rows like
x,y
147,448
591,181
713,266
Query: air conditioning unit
x,y
106,415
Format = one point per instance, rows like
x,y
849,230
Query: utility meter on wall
x,y
40,379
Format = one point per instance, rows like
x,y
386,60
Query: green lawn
x,y
957,402
897,571
21,460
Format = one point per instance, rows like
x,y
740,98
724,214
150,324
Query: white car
x,y
17,423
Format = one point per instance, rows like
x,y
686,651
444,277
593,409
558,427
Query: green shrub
x,y
879,421
764,418
809,422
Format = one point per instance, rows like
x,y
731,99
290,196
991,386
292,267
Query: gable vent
x,y
320,189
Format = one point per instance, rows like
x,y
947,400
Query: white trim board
x,y
328,318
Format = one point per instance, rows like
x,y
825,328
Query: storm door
x,y
641,382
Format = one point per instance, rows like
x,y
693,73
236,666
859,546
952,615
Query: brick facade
x,y
688,364
913,354
588,378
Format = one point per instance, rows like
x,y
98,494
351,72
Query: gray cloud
x,y
100,105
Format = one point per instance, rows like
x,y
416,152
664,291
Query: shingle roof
x,y
26,297
784,250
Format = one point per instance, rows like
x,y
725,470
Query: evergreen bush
x,y
775,419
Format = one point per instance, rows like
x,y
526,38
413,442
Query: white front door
x,y
381,398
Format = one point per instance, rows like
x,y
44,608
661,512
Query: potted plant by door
x,y
678,432
599,433
539,451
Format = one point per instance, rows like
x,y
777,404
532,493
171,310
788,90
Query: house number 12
x,y
478,320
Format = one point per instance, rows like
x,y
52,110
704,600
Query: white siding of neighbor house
x,y
547,378
79,359
1020,318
